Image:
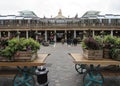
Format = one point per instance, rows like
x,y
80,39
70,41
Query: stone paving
x,y
60,65
61,68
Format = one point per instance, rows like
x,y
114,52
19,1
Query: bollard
x,y
41,73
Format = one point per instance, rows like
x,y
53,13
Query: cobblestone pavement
x,y
61,68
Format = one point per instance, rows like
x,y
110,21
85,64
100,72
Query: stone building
x,y
28,24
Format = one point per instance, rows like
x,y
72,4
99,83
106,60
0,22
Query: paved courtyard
x,y
61,68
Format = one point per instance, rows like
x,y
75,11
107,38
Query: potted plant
x,y
4,49
115,52
108,44
20,49
92,48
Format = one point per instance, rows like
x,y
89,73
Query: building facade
x,y
27,24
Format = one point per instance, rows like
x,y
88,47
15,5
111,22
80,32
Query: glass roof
x,y
89,14
27,13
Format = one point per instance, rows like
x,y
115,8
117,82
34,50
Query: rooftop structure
x,y
27,13
60,15
91,14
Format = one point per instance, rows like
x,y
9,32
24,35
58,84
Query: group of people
x,y
70,41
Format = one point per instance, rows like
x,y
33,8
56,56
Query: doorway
x,y
60,36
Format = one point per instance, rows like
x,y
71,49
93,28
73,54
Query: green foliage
x,y
115,54
31,44
21,44
112,43
109,41
83,45
3,42
117,43
99,40
7,52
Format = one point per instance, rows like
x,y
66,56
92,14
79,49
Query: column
x,y
65,35
74,33
0,34
8,33
111,32
55,36
27,34
84,34
109,21
45,35
93,33
18,35
36,35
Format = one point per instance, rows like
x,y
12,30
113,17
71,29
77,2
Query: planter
x,y
106,53
93,54
5,59
117,57
25,56
116,54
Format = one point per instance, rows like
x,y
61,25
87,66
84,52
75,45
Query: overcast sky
x,y
50,8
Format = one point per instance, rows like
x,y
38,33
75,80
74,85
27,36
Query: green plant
x,y
99,40
109,41
21,44
3,42
31,44
117,43
91,44
115,54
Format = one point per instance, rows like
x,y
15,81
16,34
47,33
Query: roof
x,y
91,14
27,13
9,17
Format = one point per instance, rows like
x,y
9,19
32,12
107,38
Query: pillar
x,y
74,33
36,35
27,34
8,33
84,34
55,36
65,35
45,35
93,33
111,32
18,35
0,34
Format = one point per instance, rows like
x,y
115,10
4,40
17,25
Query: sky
x,y
50,8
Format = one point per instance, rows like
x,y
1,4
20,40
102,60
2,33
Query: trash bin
x,y
41,73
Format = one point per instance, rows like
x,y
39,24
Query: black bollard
x,y
41,73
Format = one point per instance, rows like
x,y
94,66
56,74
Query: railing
x,y
60,25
